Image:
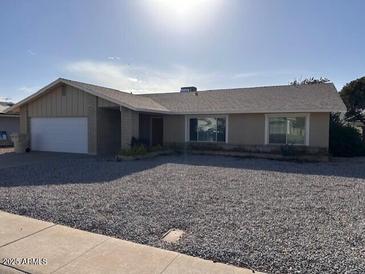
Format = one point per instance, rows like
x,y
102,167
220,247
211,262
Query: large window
x,y
207,129
287,130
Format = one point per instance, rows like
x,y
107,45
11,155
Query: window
x,y
3,136
287,130
207,129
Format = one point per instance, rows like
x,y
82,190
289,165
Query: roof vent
x,y
188,89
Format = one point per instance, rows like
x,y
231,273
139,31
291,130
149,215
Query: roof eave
x,y
248,112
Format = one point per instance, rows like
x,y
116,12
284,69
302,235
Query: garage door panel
x,y
59,134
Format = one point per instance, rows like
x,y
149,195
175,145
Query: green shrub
x,y
156,148
345,140
135,151
288,150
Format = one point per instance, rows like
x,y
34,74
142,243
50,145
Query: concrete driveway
x,y
8,158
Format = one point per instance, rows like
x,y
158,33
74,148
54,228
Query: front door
x,y
157,131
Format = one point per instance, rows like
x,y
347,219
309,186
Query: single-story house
x,y
9,123
70,116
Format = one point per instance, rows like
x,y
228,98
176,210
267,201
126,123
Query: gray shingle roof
x,y
304,98
289,98
119,97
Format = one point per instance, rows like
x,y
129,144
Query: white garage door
x,y
59,134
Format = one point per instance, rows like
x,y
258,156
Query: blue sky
x,y
160,45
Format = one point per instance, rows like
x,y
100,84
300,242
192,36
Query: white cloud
x,y
27,89
246,75
138,79
113,58
142,79
4,99
132,79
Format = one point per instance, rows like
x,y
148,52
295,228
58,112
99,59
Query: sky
x,y
144,46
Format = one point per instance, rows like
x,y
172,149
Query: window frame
x,y
288,115
187,127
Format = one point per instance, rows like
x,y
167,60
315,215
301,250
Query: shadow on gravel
x,y
74,169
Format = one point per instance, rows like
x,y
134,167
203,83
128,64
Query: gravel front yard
x,y
270,216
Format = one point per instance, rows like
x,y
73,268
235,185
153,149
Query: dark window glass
x,y
3,136
221,129
193,129
277,130
296,131
207,128
287,130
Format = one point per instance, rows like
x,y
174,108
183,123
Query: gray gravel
x,y
271,216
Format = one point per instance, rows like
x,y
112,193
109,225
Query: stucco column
x,y
24,120
129,126
92,115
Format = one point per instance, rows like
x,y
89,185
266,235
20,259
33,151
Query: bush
x,y
155,148
138,142
135,151
288,150
345,140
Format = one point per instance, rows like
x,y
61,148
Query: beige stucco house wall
x,y
174,129
248,129
319,129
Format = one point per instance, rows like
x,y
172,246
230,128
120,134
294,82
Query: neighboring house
x,y
70,116
9,123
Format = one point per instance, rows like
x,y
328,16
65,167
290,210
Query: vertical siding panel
x,y
44,105
84,103
49,104
36,108
41,106
72,96
69,102
75,102
78,102
63,103
33,109
54,111
59,103
29,109
59,100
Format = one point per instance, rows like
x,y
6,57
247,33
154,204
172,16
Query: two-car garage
x,y
61,134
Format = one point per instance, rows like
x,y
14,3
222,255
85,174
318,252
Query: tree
x,y
344,140
309,81
353,95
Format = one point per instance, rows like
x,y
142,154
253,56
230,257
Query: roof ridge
x,y
236,89
123,93
98,86
205,90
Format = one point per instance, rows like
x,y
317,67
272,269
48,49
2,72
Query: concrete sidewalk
x,y
33,246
